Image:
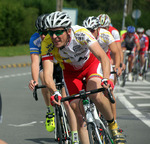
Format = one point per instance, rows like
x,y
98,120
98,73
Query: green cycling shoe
x,y
50,123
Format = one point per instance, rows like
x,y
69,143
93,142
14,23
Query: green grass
x,y
14,50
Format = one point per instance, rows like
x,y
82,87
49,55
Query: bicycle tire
x,y
93,135
58,126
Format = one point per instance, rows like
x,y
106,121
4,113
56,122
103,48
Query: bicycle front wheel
x,y
58,126
93,133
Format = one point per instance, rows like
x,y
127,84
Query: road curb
x,y
15,65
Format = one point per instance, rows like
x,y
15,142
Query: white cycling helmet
x,y
58,19
140,30
104,20
148,32
91,23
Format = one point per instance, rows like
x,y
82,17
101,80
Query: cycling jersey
x,y
114,33
104,38
35,44
129,42
75,53
144,43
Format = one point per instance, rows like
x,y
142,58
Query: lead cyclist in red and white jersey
x,y
79,55
144,44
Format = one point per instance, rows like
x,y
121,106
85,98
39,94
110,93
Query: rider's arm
x,y
48,67
35,67
137,42
114,49
96,49
120,51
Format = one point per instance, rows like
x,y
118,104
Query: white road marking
x,y
24,125
134,111
143,105
138,95
15,75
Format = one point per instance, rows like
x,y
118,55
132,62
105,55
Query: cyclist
x,y
107,42
144,44
105,23
74,48
37,68
129,41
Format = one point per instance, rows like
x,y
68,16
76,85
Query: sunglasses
x,y
57,32
43,32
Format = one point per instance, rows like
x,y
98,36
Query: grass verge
x,y
14,50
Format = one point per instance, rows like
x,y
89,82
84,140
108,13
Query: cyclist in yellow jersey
x,y
80,55
47,47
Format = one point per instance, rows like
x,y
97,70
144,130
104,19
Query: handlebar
x,y
43,86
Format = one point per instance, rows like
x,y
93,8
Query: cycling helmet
x,y
104,20
58,19
91,23
131,29
140,30
39,23
148,32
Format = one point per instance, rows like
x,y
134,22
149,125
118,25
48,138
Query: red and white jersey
x,y
76,53
115,33
144,42
105,38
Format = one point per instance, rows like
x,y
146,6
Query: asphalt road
x,y
23,118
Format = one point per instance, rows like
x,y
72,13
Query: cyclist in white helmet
x,y
107,42
80,55
105,22
144,44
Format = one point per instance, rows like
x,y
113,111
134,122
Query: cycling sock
x,y
50,109
110,121
74,136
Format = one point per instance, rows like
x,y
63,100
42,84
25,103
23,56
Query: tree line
x,y
17,18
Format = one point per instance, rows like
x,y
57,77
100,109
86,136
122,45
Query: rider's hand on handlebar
x,y
32,84
118,70
106,83
53,101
